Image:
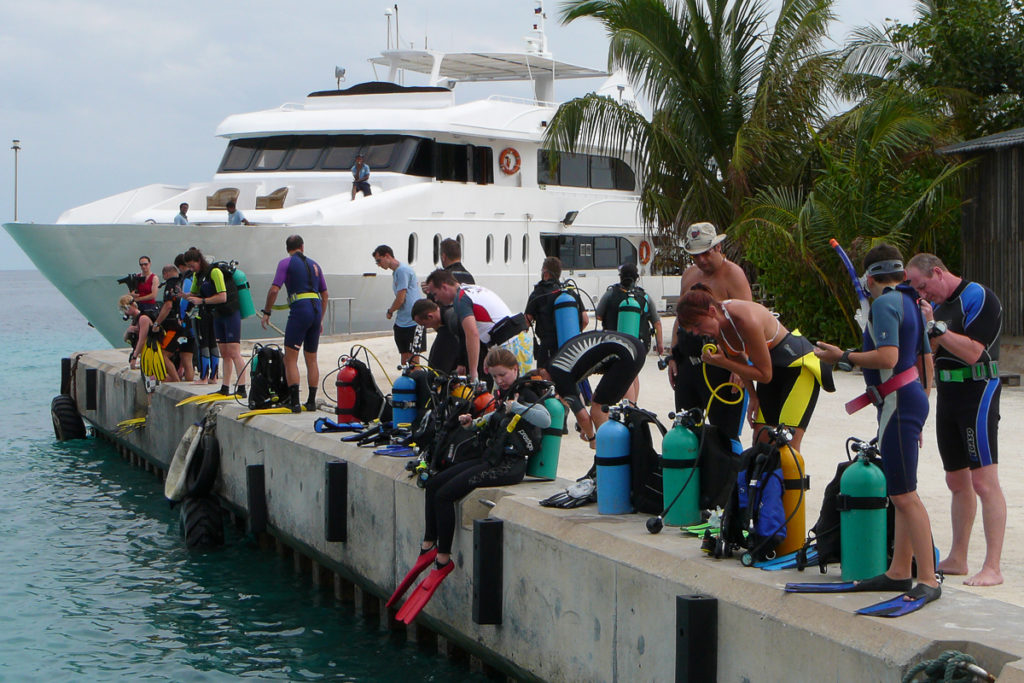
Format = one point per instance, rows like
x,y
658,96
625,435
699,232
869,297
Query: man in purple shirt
x,y
307,301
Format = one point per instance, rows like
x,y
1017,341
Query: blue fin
x,y
789,561
920,595
395,451
821,587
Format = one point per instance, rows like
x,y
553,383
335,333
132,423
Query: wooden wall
x,y
992,230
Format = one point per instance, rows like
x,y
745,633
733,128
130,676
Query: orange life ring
x,y
508,161
645,252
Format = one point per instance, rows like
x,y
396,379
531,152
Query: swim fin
x,y
422,562
699,529
203,399
790,561
911,601
279,410
875,583
370,431
579,494
422,594
325,424
395,451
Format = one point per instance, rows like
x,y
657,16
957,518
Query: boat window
x,y
462,246
412,249
272,154
483,165
239,154
452,162
606,252
572,170
508,248
585,252
421,162
602,175
584,170
627,252
526,247
437,248
624,177
489,253
307,152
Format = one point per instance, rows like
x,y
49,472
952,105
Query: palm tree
x,y
733,104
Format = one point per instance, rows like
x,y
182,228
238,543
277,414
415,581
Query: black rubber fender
x,y
202,522
67,422
202,471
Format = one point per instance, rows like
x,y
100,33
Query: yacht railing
x,y
331,302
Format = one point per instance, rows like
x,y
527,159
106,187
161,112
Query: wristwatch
x,y
844,363
936,328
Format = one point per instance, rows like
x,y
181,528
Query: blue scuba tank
x,y
403,401
629,315
613,470
567,317
245,305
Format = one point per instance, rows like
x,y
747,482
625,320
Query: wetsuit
x,y
790,397
692,391
895,320
178,335
619,356
967,400
448,348
227,321
541,307
502,462
304,280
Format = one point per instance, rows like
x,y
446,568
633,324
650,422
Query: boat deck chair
x,y
220,198
274,200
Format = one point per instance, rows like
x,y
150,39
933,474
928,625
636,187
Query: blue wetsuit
x,y
895,320
304,280
967,409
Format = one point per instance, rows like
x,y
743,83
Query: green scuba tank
x,y
862,520
245,305
679,470
544,464
629,315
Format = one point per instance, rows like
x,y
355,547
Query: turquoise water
x,y
96,582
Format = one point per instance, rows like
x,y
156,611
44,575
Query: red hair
x,y
694,305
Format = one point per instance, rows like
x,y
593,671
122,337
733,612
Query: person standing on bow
x,y
964,321
307,301
895,357
360,178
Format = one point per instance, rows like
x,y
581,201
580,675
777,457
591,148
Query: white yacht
x,y
475,171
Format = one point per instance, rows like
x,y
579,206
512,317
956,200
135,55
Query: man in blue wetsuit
x,y
964,327
896,357
307,301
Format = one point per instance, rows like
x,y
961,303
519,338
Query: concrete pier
x,y
584,597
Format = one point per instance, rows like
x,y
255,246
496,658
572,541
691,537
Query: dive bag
x,y
645,461
755,506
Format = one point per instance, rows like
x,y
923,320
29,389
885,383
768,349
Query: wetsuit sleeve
x,y
886,316
217,278
531,305
982,314
535,414
282,272
322,281
602,305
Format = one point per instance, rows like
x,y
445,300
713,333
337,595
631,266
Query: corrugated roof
x,y
1009,138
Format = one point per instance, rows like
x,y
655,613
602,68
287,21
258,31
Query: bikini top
x,y
743,346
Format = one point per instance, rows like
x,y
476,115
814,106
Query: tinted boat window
x,y
272,154
572,170
602,176
341,154
239,154
606,252
546,172
307,152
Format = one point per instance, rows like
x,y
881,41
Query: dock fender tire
x,y
67,422
202,522
202,471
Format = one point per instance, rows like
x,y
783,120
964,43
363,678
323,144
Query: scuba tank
x,y
613,469
544,463
629,315
245,305
862,520
679,451
346,386
483,403
795,483
403,401
567,317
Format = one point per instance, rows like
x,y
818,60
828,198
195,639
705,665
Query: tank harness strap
x,y
875,394
674,464
292,298
797,484
978,371
845,502
613,462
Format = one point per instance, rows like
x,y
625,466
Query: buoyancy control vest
x,y
207,288
625,304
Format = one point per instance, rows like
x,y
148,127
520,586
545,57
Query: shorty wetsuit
x,y
227,321
967,409
895,320
619,356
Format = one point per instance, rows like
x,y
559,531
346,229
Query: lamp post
x,y
16,146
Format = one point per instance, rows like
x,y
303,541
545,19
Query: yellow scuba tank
x,y
794,493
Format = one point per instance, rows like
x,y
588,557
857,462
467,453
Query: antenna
x,y
339,75
387,16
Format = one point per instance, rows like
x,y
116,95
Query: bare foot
x,y
986,577
948,566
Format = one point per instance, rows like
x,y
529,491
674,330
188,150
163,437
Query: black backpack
x,y
370,402
645,461
268,384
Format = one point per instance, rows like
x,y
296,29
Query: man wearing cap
x,y
964,322
686,370
360,177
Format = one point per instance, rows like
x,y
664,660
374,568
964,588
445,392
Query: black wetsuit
x,y
502,462
619,356
449,348
692,391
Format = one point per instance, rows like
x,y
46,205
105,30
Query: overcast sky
x,y
109,95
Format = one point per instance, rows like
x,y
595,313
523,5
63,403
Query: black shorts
x,y
967,424
620,357
362,186
408,341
